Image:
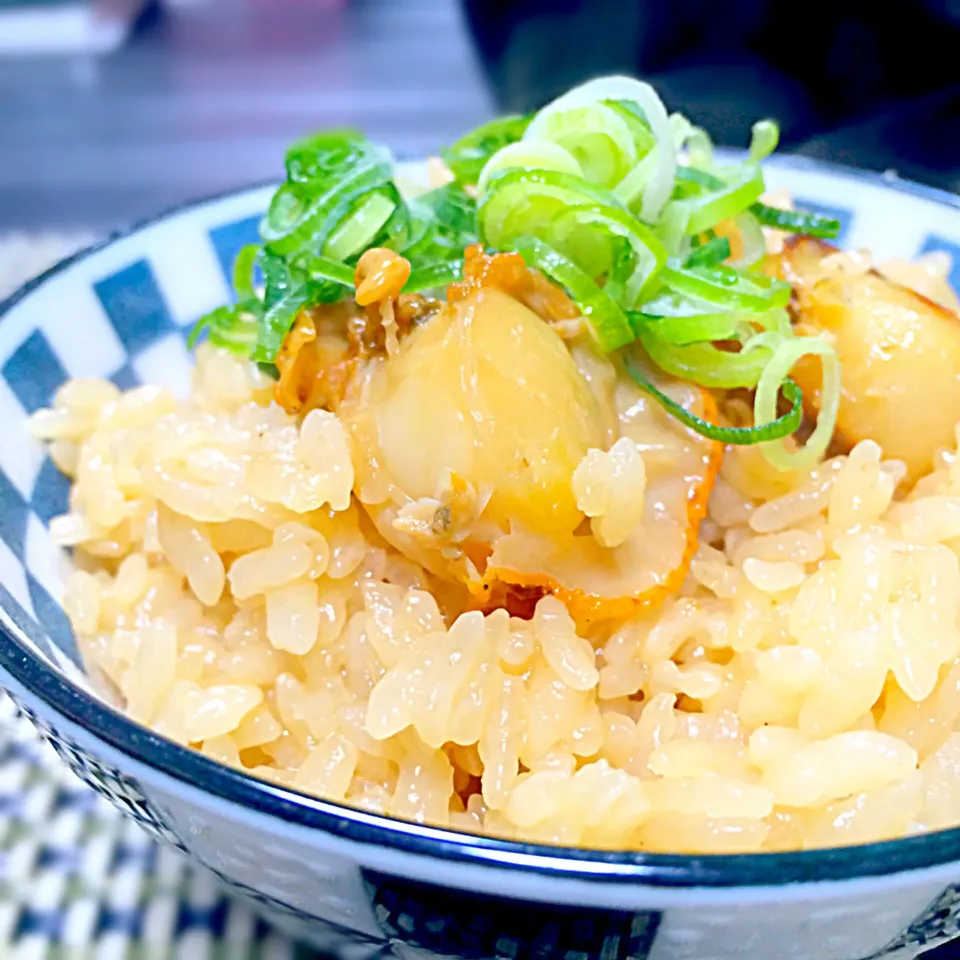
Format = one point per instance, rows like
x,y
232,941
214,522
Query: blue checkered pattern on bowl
x,y
132,328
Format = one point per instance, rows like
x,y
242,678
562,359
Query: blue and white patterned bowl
x,y
360,885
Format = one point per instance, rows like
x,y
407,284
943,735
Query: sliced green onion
x,y
596,136
323,268
630,190
677,320
351,215
764,139
243,271
695,139
776,372
715,250
741,436
233,327
588,191
797,221
434,276
634,117
650,255
287,290
652,181
739,191
397,231
320,156
519,202
672,228
529,155
468,156
700,148
699,178
444,224
620,271
608,323
276,323
356,231
297,215
704,363
727,288
662,158
420,224
753,240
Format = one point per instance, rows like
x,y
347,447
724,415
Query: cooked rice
x,y
800,691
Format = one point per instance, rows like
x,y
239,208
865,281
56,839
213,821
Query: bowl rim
x,y
28,669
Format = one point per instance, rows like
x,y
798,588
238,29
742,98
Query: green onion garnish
x,y
738,190
786,354
468,156
243,271
338,200
679,320
714,251
705,363
797,221
727,288
323,268
766,136
434,277
605,193
609,324
234,327
742,436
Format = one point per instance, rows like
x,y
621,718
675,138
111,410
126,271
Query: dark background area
x,y
875,84
204,96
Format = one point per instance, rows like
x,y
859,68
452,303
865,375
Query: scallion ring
x,y
774,430
609,325
797,221
678,320
740,189
775,373
243,271
704,363
714,251
520,202
324,268
434,276
649,253
727,288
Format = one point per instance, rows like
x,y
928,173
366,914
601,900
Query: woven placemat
x,y
78,881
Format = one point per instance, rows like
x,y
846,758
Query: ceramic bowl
x,y
355,884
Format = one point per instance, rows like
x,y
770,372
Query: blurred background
x,y
113,109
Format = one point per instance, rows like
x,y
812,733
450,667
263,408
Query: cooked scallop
x,y
900,353
497,453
